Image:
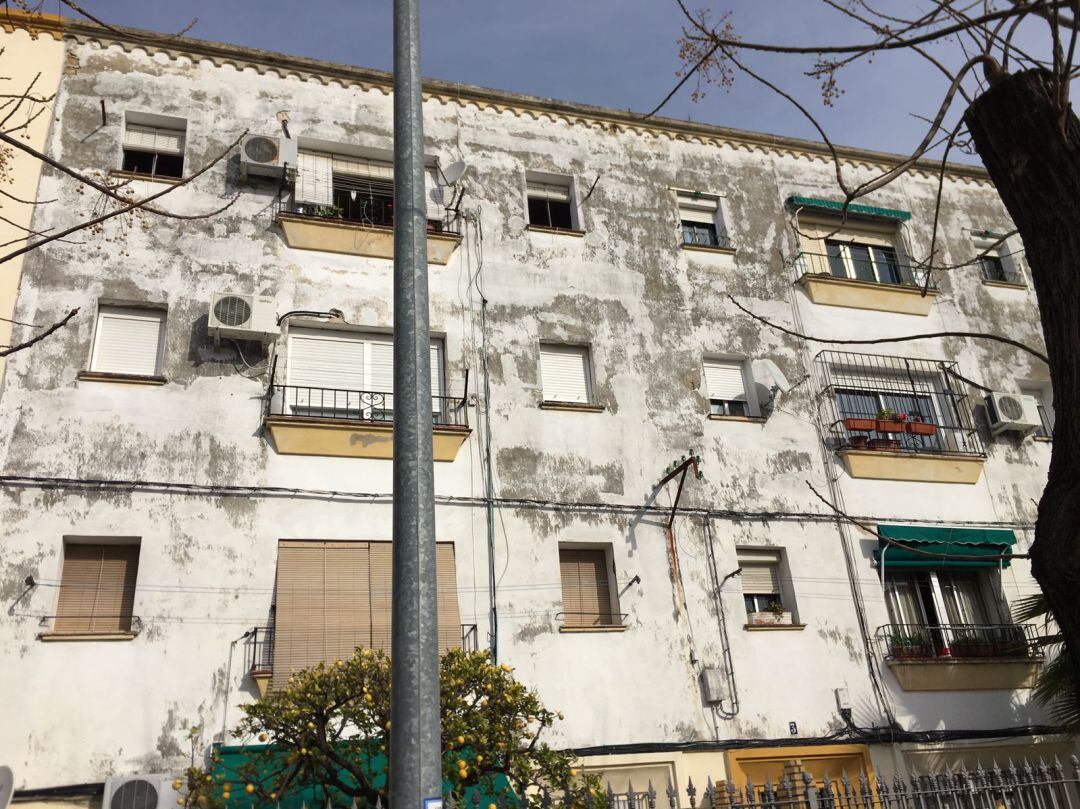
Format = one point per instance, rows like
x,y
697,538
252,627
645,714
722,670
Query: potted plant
x,y
773,615
858,441
884,443
906,646
328,211
965,643
916,426
889,421
864,425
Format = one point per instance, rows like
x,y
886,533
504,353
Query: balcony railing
x,y
374,211
260,646
884,270
374,407
896,404
958,641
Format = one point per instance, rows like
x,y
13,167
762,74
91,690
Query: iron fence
x,y
260,650
895,404
881,267
374,211
916,641
340,404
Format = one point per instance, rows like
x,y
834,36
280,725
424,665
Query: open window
x,y
998,263
701,220
154,145
729,387
550,201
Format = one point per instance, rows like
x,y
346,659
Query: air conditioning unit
x,y
266,155
1012,411
140,792
243,317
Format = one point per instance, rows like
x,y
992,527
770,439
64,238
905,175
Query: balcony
x,y
260,652
882,283
961,657
353,423
360,231
899,418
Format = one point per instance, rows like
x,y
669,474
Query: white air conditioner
x,y
140,792
1012,411
266,155
243,317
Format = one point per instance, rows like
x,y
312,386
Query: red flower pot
x,y
921,428
864,425
891,426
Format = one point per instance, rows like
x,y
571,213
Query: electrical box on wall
x,y
712,685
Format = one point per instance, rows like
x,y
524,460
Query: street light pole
x,y
415,749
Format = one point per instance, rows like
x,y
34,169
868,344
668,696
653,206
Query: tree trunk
x,y
1036,168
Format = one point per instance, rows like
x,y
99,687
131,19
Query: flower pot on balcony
x,y
921,428
769,618
858,441
890,426
888,444
864,425
909,649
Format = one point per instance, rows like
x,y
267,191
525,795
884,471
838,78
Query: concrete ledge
x,y
572,630
706,248
1043,439
556,231
148,178
829,290
580,407
746,419
965,674
126,379
339,236
1005,284
56,637
353,439
262,681
774,627
916,466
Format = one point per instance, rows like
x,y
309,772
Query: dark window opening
x,y
762,602
549,213
994,268
367,202
728,407
700,233
138,161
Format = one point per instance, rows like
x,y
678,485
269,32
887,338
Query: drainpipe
x,y
721,618
489,485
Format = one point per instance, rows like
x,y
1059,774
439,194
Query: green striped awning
x,y
991,543
854,208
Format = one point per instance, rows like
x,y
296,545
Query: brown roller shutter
x,y
381,584
586,588
446,587
97,588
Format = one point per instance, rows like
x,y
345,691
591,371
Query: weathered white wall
x,y
79,711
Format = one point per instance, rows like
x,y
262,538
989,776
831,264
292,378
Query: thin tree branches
x,y
41,336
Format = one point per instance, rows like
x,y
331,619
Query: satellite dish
x,y
454,172
7,786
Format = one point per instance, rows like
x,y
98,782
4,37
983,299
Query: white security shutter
x,y
724,380
315,178
362,167
325,365
556,193
564,372
128,341
436,375
698,208
760,571
154,139
435,196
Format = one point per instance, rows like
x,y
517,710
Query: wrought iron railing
x,y
470,638
375,212
887,270
957,641
895,404
302,401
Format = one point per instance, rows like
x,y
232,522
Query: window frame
x,y
589,374
1008,260
566,181
691,214
1043,393
127,614
159,363
615,619
785,594
752,405
163,122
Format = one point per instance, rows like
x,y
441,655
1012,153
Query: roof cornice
x,y
447,92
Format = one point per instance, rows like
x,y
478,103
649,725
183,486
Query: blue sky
x,y
615,53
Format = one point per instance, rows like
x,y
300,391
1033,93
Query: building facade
x,y
195,472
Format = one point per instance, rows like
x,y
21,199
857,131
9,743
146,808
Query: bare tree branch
x,y
977,335
38,338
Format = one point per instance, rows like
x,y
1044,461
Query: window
x,y
725,385
998,265
866,262
550,203
1044,397
347,374
589,597
565,373
333,597
154,145
356,189
760,576
97,587
128,340
701,221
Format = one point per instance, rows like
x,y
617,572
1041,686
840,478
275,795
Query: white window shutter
x,y
698,208
436,375
760,571
314,178
556,193
381,377
362,167
724,380
435,196
154,139
128,341
327,368
564,372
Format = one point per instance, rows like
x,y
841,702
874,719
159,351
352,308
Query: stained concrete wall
x,y
649,310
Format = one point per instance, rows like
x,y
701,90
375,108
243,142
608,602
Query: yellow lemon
x,y
263,737
176,784
303,751
311,725
179,801
461,740
479,759
368,699
506,668
573,772
249,788
273,796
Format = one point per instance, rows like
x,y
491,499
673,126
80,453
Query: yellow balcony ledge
x,y
574,630
353,439
56,637
914,466
262,681
339,236
829,290
945,674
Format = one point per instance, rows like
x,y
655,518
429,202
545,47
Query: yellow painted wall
x,y
31,45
